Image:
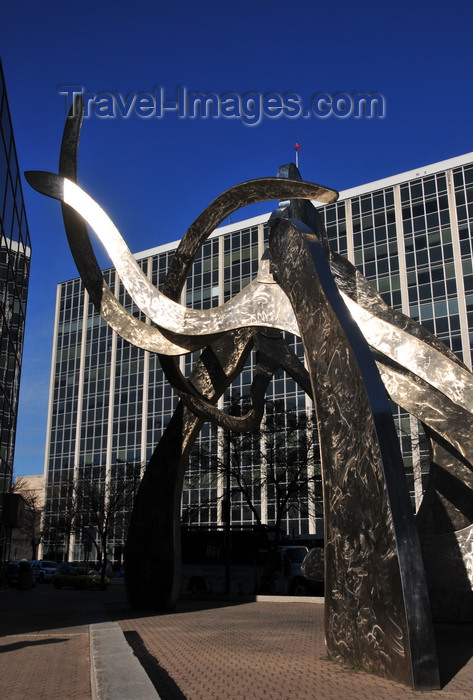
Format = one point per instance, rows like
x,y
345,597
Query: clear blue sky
x,y
154,176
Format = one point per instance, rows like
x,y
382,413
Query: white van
x,y
43,569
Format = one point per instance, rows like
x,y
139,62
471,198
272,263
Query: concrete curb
x,y
259,598
313,600
115,672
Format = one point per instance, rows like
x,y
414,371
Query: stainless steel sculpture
x,y
358,351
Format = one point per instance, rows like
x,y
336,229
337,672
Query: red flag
x,y
297,147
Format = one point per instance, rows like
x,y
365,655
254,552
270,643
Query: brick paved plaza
x,y
204,651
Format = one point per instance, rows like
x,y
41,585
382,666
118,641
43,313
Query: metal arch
x,y
418,371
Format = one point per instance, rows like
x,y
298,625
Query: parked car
x,y
68,575
43,569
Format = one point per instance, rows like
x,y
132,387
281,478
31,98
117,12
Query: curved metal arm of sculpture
x,y
212,216
273,353
402,340
118,318
173,285
430,405
416,354
125,324
354,285
446,505
444,410
255,305
146,337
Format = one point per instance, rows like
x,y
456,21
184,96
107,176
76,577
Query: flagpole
x,y
297,148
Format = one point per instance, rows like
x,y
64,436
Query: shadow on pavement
x,y
46,610
165,685
4,648
454,649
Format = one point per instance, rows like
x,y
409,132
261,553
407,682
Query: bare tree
x,y
104,507
281,459
33,511
292,462
60,513
61,528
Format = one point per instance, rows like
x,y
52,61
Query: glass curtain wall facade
x,y
15,254
110,403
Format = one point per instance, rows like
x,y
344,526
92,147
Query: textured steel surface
x,y
377,608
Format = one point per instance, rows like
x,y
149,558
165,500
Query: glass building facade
x,y
15,254
110,403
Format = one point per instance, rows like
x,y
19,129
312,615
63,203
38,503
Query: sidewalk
x,y
87,645
44,643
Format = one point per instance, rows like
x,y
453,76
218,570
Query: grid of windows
x,y
375,242
241,260
15,253
67,366
202,290
431,274
463,185
335,221
410,236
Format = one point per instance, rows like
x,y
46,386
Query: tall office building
x,y
109,403
15,253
